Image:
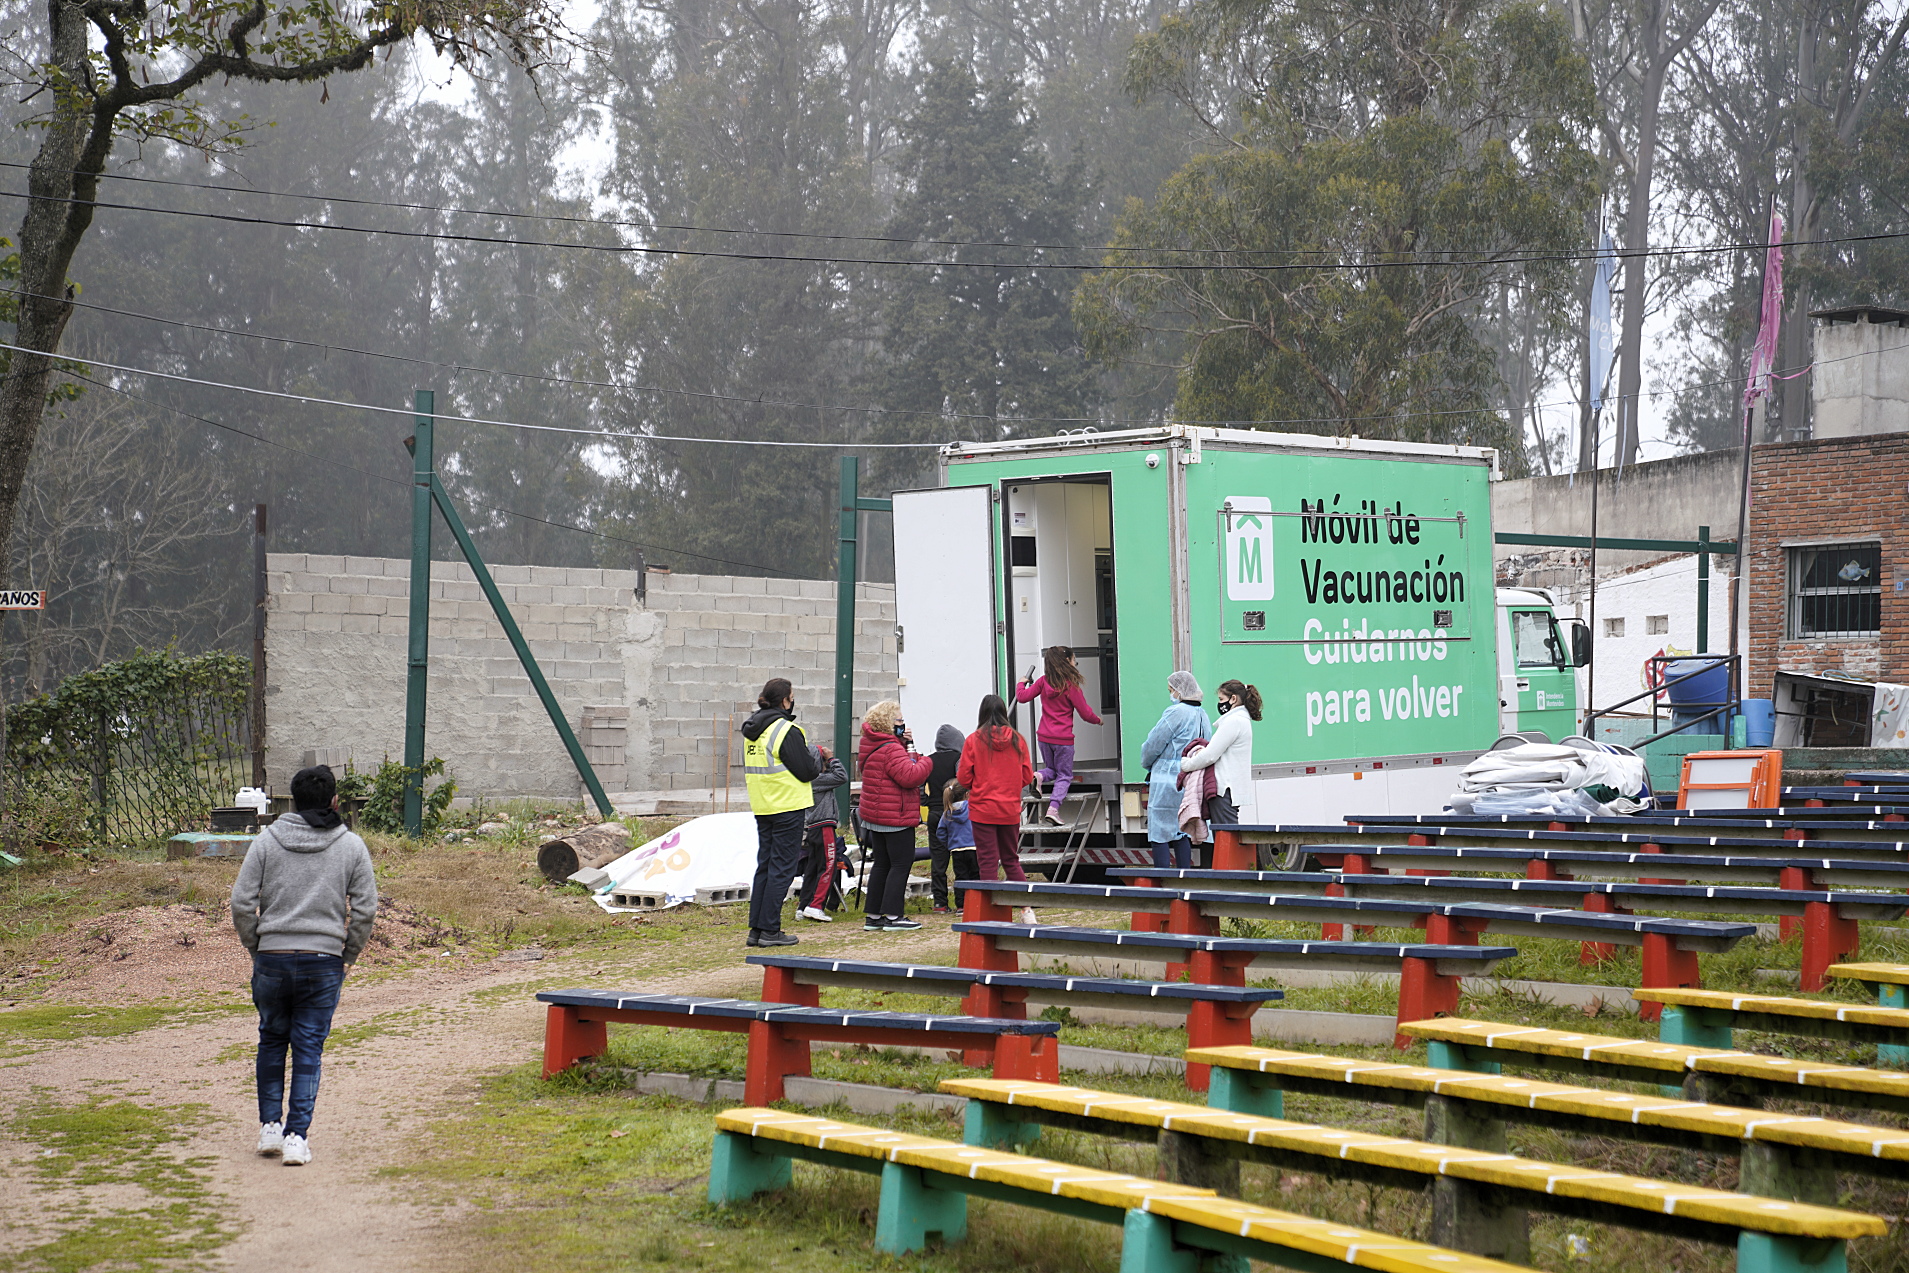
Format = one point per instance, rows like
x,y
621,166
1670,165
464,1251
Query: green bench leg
x,y
1146,1246
1244,1092
1199,1162
738,1172
1893,1056
1770,1253
1441,1055
1782,1171
1695,1028
911,1209
1465,1215
996,1126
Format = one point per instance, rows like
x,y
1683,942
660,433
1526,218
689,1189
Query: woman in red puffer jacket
x,y
892,775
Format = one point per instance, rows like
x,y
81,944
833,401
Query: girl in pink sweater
x,y
1060,695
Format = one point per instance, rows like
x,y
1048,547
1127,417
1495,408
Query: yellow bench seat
x,y
922,1176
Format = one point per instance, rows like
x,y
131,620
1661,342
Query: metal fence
x,y
130,752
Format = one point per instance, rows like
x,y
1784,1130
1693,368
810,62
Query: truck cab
x,y
1538,659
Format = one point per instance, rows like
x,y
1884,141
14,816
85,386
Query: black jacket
x,y
794,752
947,755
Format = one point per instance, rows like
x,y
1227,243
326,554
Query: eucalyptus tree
x,y
140,70
1326,263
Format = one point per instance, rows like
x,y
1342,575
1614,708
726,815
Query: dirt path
x,y
407,1046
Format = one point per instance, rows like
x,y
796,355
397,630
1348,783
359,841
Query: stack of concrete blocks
x,y
682,668
605,735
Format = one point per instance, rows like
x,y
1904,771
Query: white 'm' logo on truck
x,y
1249,548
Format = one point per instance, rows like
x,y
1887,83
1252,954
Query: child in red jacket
x,y
1061,697
995,767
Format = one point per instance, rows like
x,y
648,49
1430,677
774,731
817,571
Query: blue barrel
x,y
1710,688
1759,722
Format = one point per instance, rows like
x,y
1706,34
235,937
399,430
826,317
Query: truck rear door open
x,y
944,585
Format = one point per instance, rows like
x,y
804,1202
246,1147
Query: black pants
x,y
939,856
892,856
819,883
778,854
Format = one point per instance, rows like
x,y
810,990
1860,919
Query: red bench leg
x,y
1596,952
1789,927
1185,917
1827,937
977,950
1541,869
1655,848
1665,968
1031,1058
1230,854
1212,969
1424,994
1443,930
568,1040
991,1001
780,986
773,1056
1213,1025
1148,921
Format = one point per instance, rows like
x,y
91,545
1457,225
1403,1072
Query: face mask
x,y
1225,707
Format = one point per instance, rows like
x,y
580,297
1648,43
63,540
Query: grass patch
x,y
124,1194
24,1029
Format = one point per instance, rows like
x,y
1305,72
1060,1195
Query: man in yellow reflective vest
x,y
778,768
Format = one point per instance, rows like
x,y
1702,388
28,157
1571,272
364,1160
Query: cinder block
x,y
349,584
769,640
291,603
361,624
365,566
385,586
284,561
512,574
734,639
394,624
328,621
330,603
823,589
751,584
318,564
817,625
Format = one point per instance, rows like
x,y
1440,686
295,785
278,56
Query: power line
x,y
382,477
505,424
624,249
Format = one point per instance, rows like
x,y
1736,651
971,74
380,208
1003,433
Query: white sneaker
x,y
815,913
271,1138
1027,915
298,1151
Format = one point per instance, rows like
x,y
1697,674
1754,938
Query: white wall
x,y
1667,589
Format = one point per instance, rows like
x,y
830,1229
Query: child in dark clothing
x,y
957,833
820,893
947,755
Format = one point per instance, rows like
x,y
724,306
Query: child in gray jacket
x,y
304,903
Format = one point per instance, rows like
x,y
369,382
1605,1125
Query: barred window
x,y
1836,590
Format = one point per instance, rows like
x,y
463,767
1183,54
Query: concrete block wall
x,y
678,668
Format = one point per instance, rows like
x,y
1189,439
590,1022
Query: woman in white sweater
x,y
1231,750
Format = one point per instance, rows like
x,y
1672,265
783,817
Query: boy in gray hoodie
x,y
303,904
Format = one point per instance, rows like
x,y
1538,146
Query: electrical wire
x,y
620,223
625,249
450,419
383,477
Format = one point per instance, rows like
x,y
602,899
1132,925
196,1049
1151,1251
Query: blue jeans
x,y
1175,853
295,995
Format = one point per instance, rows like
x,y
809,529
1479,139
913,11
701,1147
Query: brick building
x,y
1829,561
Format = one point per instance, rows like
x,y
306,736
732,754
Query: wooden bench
x,y
1166,1227
1796,1157
1481,1194
1796,825
1708,1018
1889,983
779,1035
1718,1075
1603,840
1219,1014
1670,946
1829,918
1428,973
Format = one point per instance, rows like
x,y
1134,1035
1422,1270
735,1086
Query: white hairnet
x,y
1182,685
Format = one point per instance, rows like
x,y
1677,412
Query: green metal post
x,y
845,626
1703,590
418,674
518,644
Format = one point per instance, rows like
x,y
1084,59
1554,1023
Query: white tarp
x,y
1540,779
716,851
1889,721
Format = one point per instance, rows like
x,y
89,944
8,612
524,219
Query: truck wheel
x,y
1284,857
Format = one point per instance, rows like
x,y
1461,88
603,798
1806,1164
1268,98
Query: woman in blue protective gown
x,y
1182,722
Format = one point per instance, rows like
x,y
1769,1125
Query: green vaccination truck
x,y
1349,580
